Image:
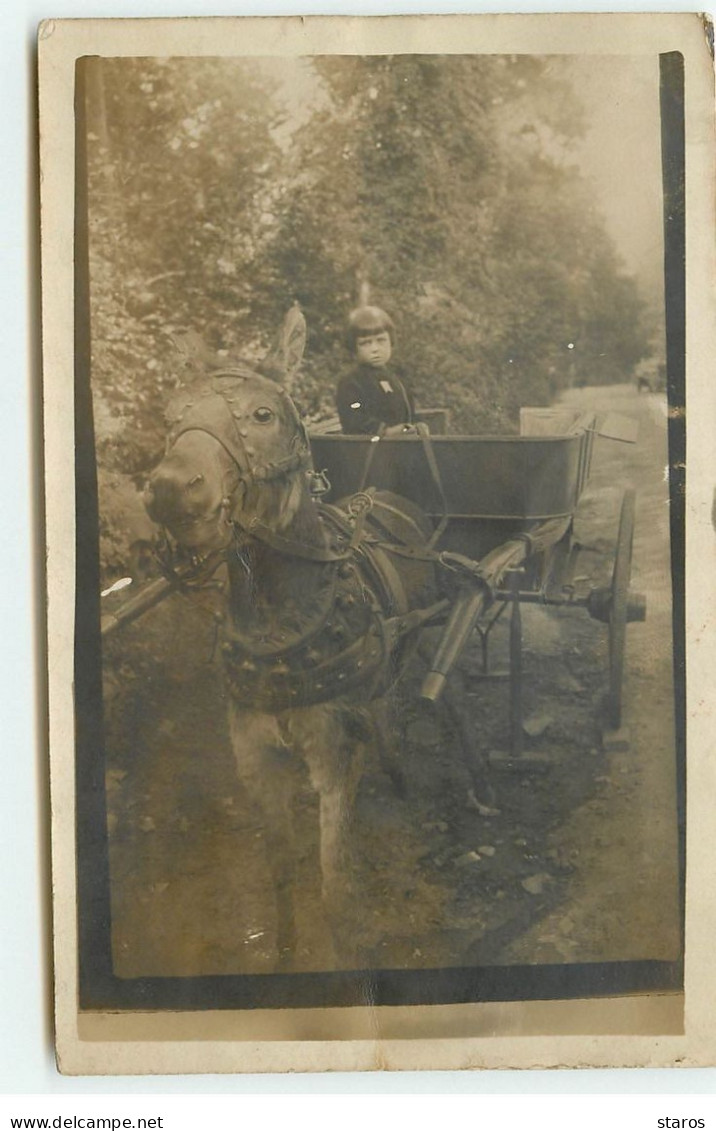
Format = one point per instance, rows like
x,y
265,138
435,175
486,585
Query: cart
x,y
503,511
504,506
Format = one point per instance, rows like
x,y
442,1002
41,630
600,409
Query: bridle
x,y
211,410
365,575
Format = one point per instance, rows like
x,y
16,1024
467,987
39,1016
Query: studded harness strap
x,y
363,611
346,647
209,408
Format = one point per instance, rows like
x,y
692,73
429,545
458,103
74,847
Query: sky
x,y
621,156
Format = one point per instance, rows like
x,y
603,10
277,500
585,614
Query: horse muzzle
x,y
196,524
163,500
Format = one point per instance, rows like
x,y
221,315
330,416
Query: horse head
x,y
236,449
237,453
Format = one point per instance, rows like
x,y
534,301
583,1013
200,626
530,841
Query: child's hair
x,y
369,320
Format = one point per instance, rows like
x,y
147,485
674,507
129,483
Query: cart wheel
x,y
618,607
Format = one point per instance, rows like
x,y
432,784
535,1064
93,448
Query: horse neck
x,y
266,582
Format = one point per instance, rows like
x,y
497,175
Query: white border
x,y
26,1056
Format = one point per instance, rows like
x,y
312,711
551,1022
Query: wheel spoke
x,y
621,578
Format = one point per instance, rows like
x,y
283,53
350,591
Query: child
x,y
372,398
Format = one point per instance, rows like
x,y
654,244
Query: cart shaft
x,y
147,598
463,618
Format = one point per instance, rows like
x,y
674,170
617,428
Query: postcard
x,y
379,572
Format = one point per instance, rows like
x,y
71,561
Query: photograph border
x,y
60,47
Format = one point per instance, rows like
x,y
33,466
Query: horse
x,y
323,608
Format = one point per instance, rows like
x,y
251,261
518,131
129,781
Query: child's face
x,y
374,349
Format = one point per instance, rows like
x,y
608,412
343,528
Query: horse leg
x,y
387,733
265,767
381,726
455,708
334,764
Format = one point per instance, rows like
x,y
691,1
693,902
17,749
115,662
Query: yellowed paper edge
x,y
497,1035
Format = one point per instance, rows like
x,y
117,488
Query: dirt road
x,y
579,865
622,899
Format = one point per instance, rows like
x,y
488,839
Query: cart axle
x,y
598,602
599,605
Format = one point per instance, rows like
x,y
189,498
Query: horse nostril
x,y
162,498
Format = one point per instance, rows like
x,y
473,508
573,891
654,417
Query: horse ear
x,y
195,357
282,361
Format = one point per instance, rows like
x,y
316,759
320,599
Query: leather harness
x,y
365,612
209,408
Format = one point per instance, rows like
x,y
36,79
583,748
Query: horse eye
x,y
263,415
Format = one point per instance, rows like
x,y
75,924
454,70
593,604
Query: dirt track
x,y
579,865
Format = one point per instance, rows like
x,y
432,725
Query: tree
x,y
181,166
447,183
182,160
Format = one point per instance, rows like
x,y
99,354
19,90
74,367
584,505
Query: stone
x,y
530,761
536,725
479,807
535,884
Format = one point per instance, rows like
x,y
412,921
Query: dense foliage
x,y
445,184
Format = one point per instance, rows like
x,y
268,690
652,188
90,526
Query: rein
x,y
361,610
423,434
290,547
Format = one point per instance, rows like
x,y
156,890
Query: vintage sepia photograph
x,y
379,630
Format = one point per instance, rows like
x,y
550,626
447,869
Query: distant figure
x,y
373,397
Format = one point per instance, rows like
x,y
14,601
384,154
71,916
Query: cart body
x,y
487,494
490,487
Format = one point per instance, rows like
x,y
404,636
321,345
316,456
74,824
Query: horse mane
x,y
284,503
